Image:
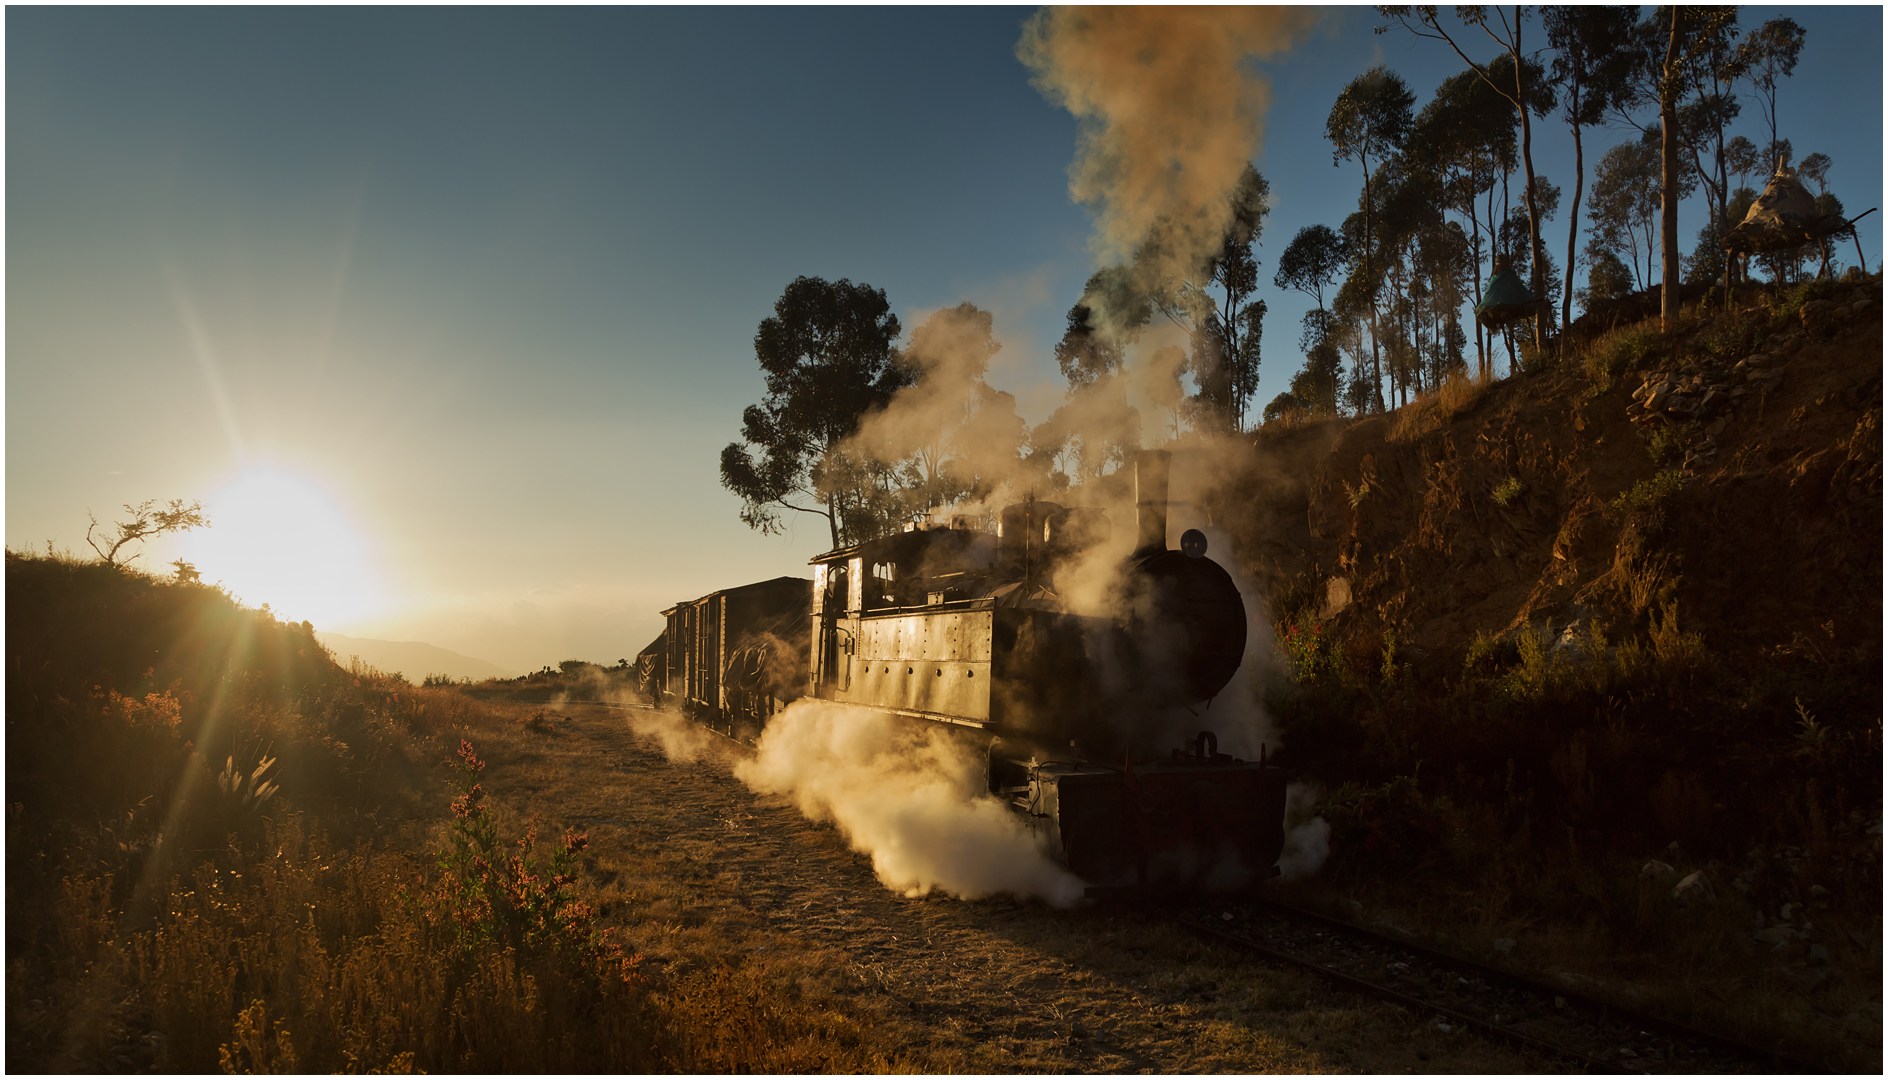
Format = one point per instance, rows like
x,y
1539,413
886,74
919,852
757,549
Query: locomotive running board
x,y
935,718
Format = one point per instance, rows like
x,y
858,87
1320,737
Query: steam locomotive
x,y
952,625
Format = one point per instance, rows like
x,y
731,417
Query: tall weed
x,y
1616,352
1436,409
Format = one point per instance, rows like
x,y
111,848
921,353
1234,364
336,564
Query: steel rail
x,y
1486,1029
1780,1062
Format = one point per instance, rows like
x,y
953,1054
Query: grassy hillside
x,y
1561,640
226,852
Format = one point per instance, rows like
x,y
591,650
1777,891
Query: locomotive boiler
x,y
1072,704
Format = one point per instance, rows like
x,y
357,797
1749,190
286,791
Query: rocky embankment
x,y
1484,509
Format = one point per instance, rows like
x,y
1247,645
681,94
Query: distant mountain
x,y
414,659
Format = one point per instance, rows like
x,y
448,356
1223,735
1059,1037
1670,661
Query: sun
x,y
276,538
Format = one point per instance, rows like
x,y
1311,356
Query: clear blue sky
x,y
481,285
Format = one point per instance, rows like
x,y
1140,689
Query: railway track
x,y
1454,993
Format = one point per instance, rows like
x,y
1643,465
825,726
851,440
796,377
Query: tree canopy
x,y
828,358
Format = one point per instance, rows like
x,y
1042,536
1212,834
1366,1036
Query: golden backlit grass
x,y
1433,410
221,854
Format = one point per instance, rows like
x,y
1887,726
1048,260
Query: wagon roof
x,y
770,583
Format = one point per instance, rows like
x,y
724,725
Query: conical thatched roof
x,y
1783,217
1505,301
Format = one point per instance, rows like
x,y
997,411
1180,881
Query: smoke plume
x,y
1170,114
911,799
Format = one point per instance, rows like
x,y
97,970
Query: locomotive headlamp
x,y
1193,542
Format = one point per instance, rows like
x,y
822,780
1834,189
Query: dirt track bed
x,y
723,888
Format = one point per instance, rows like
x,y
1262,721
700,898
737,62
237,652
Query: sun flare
x,y
276,538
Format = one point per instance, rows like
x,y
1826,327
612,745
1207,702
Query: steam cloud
x,y
1170,112
682,740
1307,842
908,798
592,682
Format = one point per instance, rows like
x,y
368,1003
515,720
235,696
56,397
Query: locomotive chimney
x,y
1150,500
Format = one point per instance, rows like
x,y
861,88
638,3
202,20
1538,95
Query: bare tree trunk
x,y
1539,288
1573,227
1376,364
1668,179
1482,362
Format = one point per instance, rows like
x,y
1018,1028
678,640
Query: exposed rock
x,y
1657,869
1776,937
1694,887
1336,596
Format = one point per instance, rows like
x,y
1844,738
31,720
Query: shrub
x,y
517,899
1729,340
1314,653
1388,830
1790,311
1506,491
1671,441
1650,496
1617,352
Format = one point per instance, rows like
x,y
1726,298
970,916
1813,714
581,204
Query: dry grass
x,y
770,946
1431,412
1289,420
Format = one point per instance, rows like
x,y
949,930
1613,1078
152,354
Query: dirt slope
x,y
1775,535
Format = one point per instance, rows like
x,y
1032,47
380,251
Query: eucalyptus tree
x,y
1228,318
1712,105
1691,36
1214,301
1519,85
1371,118
828,358
1467,137
1769,54
1514,239
1310,264
1607,278
1410,201
1777,153
1593,62
1442,259
1626,202
1815,168
1742,158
